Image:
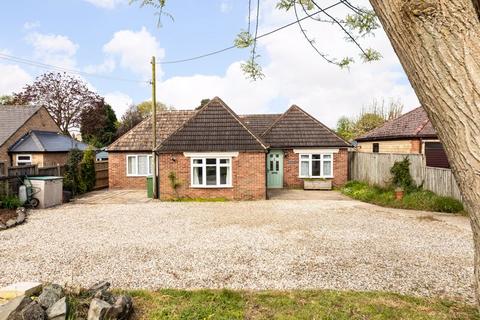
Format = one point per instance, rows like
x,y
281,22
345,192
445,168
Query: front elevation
x,y
215,153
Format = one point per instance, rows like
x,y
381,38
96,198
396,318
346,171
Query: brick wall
x,y
41,120
248,178
117,172
291,163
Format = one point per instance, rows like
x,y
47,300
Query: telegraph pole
x,y
154,131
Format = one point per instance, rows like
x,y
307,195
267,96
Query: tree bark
x,y
438,44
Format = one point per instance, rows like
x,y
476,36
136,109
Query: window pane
x,y
277,165
224,161
142,165
197,161
150,167
315,156
197,175
304,169
131,165
24,158
224,176
271,165
304,157
211,175
327,156
315,168
211,161
327,168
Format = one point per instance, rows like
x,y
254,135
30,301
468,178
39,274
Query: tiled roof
x,y
296,128
258,123
214,127
413,124
46,141
139,138
12,118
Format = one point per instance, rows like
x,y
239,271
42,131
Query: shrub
x,y
447,204
401,176
87,171
174,182
10,202
72,181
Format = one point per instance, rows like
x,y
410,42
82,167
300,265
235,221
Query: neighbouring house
x,y
213,152
43,148
15,122
410,133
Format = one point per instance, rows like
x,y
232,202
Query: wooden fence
x,y
101,174
374,168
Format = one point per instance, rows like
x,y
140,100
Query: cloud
x,y
119,102
226,6
106,4
295,74
134,50
106,67
13,78
53,49
29,25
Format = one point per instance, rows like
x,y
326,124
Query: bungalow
x,y
213,152
410,133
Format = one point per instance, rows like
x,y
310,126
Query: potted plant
x,y
317,184
399,193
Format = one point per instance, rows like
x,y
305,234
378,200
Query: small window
x,y
316,166
139,165
376,148
24,160
211,172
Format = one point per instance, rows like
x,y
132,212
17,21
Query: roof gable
x,y
139,138
258,123
46,141
413,124
12,118
214,127
296,128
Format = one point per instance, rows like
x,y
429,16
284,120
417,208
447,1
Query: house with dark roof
x,y
43,148
410,133
213,152
15,122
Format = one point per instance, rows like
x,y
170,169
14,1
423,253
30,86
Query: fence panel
x,y
51,171
101,174
9,186
31,170
374,168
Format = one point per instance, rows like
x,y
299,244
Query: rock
x,y
58,311
12,309
105,296
50,294
34,312
121,309
2,226
21,216
10,223
103,285
21,209
98,309
20,289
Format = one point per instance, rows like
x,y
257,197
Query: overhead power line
x,y
89,74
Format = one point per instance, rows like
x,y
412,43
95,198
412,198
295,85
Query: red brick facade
x,y
248,178
291,170
117,172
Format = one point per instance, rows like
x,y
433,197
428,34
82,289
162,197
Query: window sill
x,y
211,187
329,177
138,175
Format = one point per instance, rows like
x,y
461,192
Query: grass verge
x,y
315,304
417,199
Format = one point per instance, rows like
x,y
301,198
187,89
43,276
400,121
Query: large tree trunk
x,y
438,44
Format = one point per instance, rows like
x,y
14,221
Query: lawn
x,y
324,304
415,199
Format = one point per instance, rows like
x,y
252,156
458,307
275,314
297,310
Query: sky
x,y
116,40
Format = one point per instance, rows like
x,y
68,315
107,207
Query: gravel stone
x,y
276,244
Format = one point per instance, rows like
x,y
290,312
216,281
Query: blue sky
x,y
112,38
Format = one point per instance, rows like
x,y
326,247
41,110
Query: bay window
x,y
139,165
316,166
211,172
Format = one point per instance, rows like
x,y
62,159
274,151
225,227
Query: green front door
x,y
275,169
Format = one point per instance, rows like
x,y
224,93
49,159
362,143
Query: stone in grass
x,y
98,309
10,223
58,311
13,308
121,309
34,312
20,289
51,293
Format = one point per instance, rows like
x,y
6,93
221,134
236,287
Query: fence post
x,y
58,170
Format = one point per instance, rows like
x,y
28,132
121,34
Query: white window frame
x,y
322,161
204,165
135,156
24,162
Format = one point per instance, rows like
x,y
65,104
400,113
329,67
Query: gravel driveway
x,y
276,244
